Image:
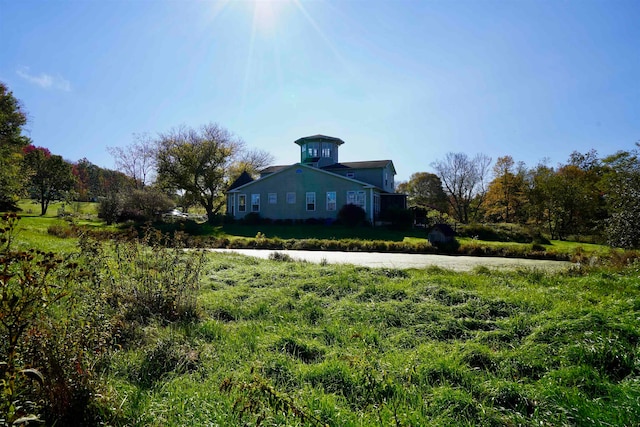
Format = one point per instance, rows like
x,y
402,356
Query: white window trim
x,y
254,204
242,208
309,193
352,198
335,201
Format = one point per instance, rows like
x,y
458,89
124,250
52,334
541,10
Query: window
x,y
311,201
312,149
357,198
273,198
291,198
331,200
255,203
242,203
326,151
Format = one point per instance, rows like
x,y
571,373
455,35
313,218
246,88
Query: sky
x,y
406,80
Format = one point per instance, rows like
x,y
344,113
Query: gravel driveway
x,y
395,260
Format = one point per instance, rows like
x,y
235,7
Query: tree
x,y
622,187
12,121
506,198
50,177
137,160
425,189
463,179
565,200
250,161
198,162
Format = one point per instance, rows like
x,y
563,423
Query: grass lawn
x,y
290,343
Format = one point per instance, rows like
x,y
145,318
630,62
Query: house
x,y
440,233
316,187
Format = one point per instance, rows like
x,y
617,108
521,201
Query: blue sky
x,y
402,80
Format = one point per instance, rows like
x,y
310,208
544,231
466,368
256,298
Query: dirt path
x,y
395,260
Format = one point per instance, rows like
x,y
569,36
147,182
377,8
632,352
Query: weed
x,y
167,356
280,256
299,350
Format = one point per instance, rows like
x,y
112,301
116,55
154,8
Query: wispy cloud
x,y
44,80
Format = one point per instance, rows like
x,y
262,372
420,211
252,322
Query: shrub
x,y
351,215
144,279
110,208
35,287
252,218
144,205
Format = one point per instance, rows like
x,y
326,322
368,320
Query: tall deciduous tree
x,y
12,122
506,196
464,182
50,177
199,162
137,160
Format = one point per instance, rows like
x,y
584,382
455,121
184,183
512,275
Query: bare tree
x,y
250,161
137,160
464,181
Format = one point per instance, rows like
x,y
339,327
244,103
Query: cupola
x,y
319,150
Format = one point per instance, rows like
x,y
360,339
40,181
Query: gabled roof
x,y
243,179
273,169
371,164
302,165
337,141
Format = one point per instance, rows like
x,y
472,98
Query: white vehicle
x,y
175,214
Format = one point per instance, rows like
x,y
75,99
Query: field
x,y
291,343
164,337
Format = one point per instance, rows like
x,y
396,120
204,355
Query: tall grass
x,y
302,344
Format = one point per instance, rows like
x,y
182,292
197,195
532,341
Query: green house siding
x,y
379,177
301,180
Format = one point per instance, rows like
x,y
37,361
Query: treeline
x,y
588,197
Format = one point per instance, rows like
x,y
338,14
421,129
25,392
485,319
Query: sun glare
x,y
266,13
